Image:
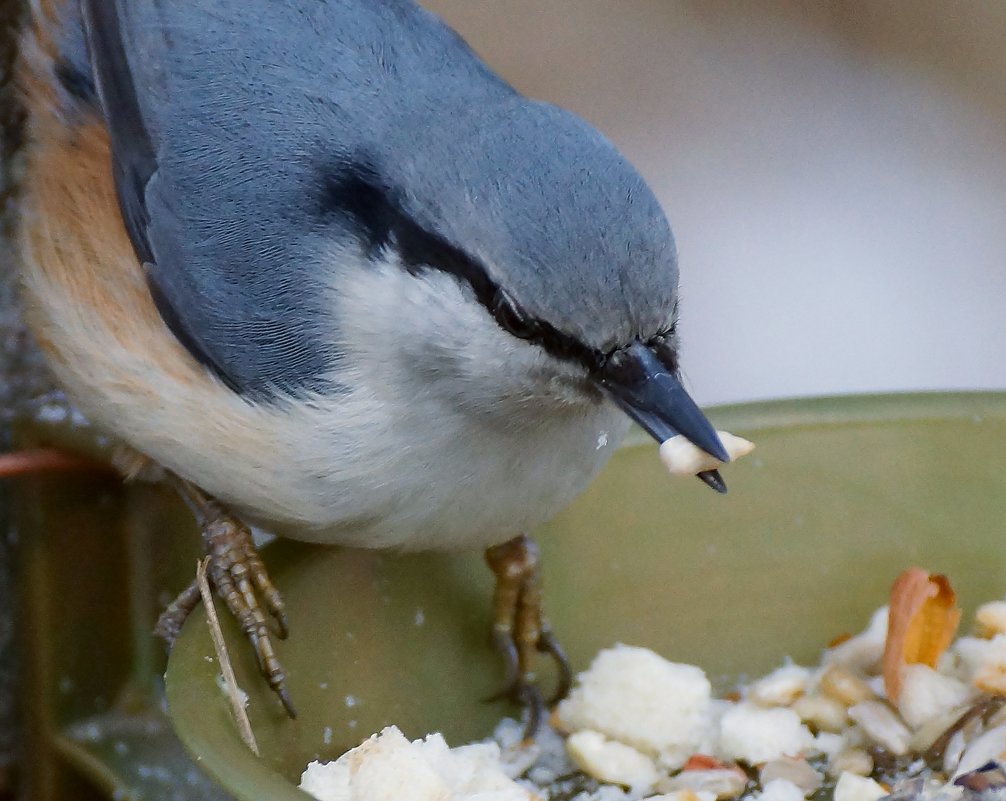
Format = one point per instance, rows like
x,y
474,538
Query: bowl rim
x,y
817,411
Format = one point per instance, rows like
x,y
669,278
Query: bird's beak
x,y
651,394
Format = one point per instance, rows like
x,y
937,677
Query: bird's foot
x,y
521,631
240,579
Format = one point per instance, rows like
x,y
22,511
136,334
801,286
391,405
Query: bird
x,y
321,269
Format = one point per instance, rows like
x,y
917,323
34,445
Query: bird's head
x,y
513,261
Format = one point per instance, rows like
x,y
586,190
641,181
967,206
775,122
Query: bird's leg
x,y
240,579
520,630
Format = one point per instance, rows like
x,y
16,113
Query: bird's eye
x,y
623,369
665,347
512,319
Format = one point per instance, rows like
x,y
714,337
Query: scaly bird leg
x,y
521,631
240,579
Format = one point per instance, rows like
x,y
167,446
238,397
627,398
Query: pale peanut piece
x,y
851,787
722,783
792,771
882,726
863,652
782,687
844,685
852,760
611,761
682,795
927,694
682,458
983,662
823,713
780,790
990,619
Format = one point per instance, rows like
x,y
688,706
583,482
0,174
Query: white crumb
x,y
639,698
387,767
851,787
754,734
682,458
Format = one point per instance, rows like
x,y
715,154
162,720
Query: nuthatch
x,y
340,280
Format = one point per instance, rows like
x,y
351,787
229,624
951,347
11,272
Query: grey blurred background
x,y
835,173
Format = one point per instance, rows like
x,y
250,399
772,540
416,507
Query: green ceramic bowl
x,y
840,496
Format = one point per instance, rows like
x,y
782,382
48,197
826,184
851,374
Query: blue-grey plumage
x,y
242,131
406,295
320,263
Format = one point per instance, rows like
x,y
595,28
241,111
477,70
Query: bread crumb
x,y
387,767
754,735
632,695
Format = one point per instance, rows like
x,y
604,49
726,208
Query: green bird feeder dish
x,y
839,497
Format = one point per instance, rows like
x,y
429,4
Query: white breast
x,y
445,479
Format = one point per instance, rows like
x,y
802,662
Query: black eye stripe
x,y
356,190
512,318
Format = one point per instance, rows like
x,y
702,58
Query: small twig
x,y
233,691
39,460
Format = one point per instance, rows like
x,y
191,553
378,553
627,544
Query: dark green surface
x,y
840,496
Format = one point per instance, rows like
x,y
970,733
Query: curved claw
x,y
533,704
268,665
264,586
504,644
284,697
283,622
548,644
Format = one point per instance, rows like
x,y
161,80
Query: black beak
x,y
651,394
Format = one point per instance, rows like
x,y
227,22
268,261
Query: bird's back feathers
x,y
229,119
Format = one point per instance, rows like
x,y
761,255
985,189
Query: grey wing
x,y
222,241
